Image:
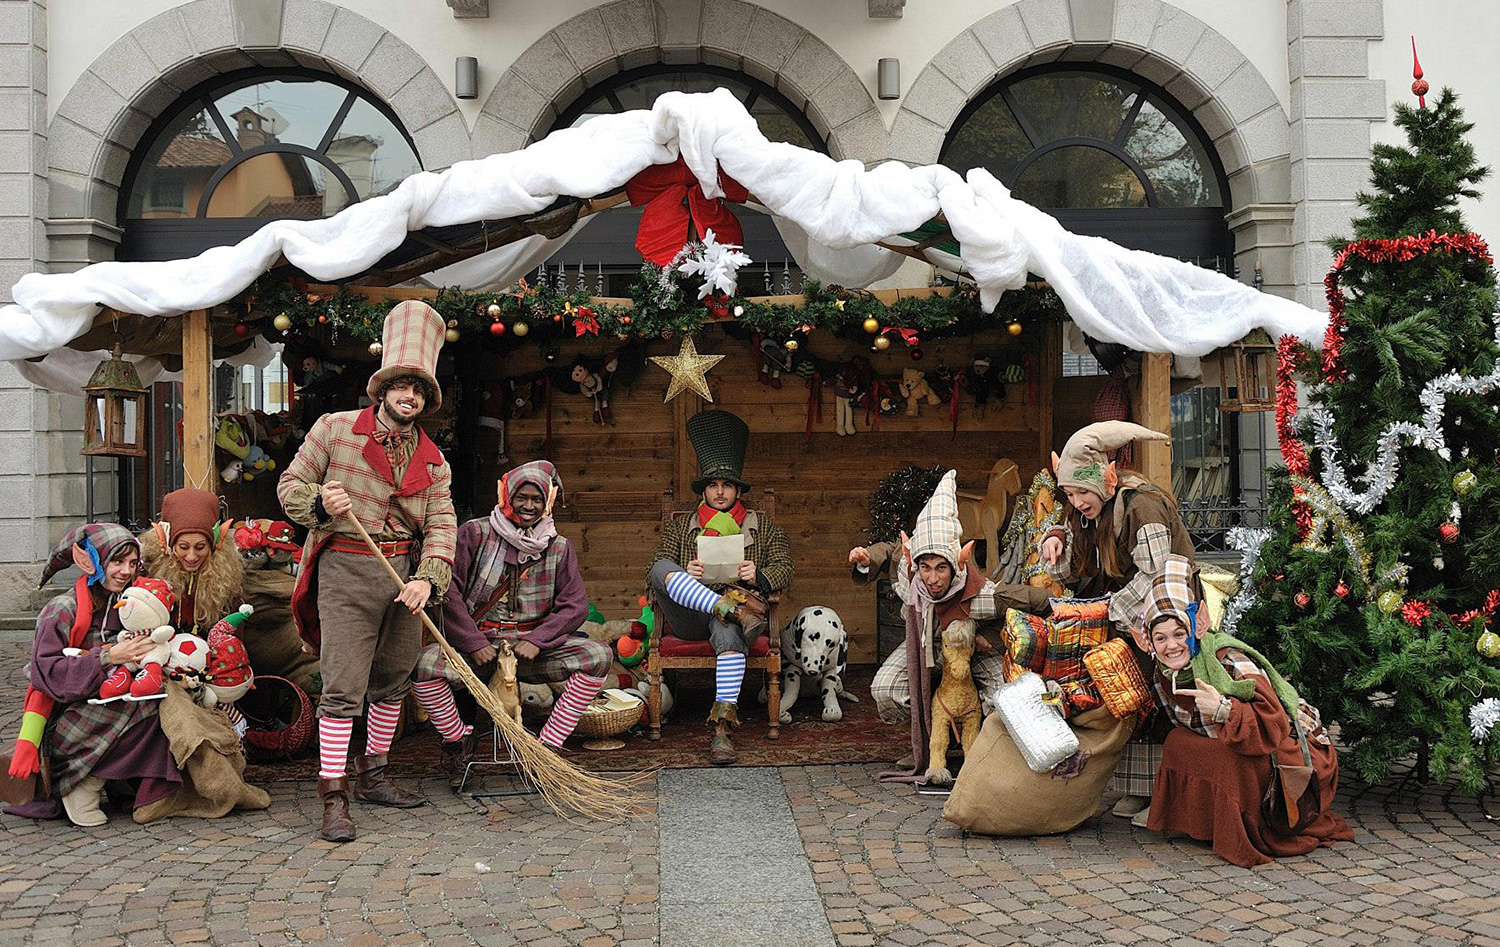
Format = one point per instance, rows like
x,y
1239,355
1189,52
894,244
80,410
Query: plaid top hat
x,y
719,439
411,339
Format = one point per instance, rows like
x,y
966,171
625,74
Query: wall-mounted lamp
x,y
466,77
888,79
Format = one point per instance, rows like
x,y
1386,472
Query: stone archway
x,y
1202,70
114,102
627,34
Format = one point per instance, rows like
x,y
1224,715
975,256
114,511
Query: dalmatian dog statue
x,y
814,646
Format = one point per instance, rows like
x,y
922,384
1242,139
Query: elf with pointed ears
x,y
729,616
1118,533
378,465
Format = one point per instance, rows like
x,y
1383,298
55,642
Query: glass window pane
x,y
1080,176
774,120
989,139
372,151
1061,105
1174,161
177,166
282,110
278,185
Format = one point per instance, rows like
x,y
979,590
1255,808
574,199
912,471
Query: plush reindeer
x,y
955,703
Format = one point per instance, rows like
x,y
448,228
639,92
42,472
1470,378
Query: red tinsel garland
x,y
1400,250
1287,356
1491,604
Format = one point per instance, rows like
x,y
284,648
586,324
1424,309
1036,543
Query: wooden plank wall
x,y
614,475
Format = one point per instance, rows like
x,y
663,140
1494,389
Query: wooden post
x,y
685,462
1154,410
197,402
1051,370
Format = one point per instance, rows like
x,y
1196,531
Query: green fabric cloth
x,y
723,524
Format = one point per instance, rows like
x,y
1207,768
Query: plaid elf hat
x,y
412,336
719,439
938,532
1084,462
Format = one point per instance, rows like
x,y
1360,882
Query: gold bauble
x,y
520,328
451,335
872,325
1488,644
282,322
791,345
1389,601
1014,328
376,348
882,343
494,310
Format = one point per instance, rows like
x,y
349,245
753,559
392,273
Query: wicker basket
x,y
281,719
610,716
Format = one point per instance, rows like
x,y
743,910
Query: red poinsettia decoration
x,y
673,200
583,320
1415,612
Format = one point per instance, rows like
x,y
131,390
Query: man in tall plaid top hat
x,y
378,465
730,616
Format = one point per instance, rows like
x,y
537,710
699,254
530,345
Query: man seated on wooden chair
x,y
729,611
514,579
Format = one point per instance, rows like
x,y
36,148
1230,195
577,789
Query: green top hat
x,y
719,439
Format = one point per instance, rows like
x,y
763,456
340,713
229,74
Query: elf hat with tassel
x,y
1084,463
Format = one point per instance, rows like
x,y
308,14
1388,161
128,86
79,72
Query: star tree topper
x,y
688,370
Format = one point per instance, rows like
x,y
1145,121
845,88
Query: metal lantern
x,y
1249,367
114,410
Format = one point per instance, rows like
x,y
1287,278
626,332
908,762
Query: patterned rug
x,y
859,738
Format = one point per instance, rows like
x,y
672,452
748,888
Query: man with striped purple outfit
x,y
375,464
515,580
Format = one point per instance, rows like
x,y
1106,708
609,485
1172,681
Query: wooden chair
x,y
668,652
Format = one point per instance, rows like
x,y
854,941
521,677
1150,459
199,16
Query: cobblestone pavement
x,y
886,866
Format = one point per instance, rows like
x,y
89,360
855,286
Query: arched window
x,y
609,241
252,146
1107,153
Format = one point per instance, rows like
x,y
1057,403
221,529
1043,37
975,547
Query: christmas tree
x,y
1374,584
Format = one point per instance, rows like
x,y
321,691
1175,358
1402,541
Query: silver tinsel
x,y
1248,542
1483,716
1380,476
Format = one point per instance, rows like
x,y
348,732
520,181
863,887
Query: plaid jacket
x,y
765,545
549,592
340,447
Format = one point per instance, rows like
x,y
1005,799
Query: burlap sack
x,y
996,794
270,633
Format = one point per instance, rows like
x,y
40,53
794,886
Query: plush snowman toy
x,y
145,609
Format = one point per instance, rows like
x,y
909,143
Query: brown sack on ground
x,y
270,634
996,794
212,763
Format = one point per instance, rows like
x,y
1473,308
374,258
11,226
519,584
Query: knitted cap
x,y
719,439
190,511
938,531
1084,461
153,595
104,539
412,336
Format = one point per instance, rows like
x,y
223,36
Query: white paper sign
x,y
721,557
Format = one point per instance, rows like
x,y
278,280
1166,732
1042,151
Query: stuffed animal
x,y
913,387
315,370
595,386
955,702
520,398
814,646
642,689
145,609
983,382
846,391
503,683
227,675
536,698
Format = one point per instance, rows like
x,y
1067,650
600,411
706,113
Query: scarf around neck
x,y
721,522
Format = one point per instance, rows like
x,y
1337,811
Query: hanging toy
x,y
913,387
595,387
846,391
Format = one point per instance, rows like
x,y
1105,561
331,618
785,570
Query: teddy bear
x,y
913,387
145,608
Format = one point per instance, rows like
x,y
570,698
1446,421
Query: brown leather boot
x,y
337,826
371,785
456,757
743,607
723,715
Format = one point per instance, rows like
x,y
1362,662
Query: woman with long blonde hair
x,y
190,548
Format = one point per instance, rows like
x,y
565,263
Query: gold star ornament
x,y
688,369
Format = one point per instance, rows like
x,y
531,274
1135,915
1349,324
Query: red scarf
x,y
706,513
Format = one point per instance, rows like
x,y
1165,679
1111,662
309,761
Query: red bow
x,y
909,336
673,199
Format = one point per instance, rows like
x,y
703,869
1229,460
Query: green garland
x,y
665,303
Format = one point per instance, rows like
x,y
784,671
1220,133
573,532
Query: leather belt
x,y
509,626
389,550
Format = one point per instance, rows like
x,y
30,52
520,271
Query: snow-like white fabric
x,y
856,267
502,266
68,370
1139,299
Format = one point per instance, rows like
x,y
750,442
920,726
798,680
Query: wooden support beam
x,y
1050,370
685,464
1153,409
197,402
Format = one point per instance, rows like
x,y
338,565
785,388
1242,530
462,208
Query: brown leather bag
x,y
1292,800
26,789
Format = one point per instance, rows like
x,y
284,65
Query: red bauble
x,y
557,318
241,329
1303,600
624,320
916,354
323,317
1448,532
1420,87
1278,576
497,328
1341,590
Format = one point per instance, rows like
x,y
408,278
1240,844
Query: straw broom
x,y
563,785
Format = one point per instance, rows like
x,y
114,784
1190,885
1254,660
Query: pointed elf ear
x,y
965,555
551,498
504,493
82,560
162,535
1056,463
1111,478
906,547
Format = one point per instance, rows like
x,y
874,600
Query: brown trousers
x,y
370,643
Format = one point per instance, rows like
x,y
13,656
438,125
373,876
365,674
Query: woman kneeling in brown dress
x,y
1231,711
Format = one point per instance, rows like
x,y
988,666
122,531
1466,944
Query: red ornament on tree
x,y
1448,532
1303,600
1341,590
1419,85
241,329
1415,612
497,327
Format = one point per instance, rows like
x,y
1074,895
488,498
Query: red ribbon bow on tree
x,y
673,199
